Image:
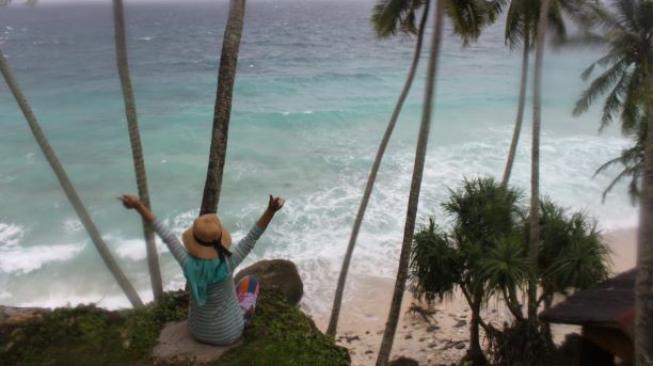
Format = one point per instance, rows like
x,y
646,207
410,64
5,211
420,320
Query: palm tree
x,y
631,161
628,83
67,185
469,17
534,234
416,182
135,140
520,23
548,10
222,111
383,29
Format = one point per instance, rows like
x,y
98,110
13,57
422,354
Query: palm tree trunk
x,y
520,109
413,199
222,110
337,301
67,186
644,281
137,149
534,235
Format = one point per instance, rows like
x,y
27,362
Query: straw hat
x,y
199,238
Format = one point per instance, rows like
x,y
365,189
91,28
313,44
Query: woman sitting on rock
x,y
218,311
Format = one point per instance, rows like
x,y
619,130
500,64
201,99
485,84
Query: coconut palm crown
x,y
469,17
623,81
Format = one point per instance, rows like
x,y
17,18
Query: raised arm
x,y
177,250
245,245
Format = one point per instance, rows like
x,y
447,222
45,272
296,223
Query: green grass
x,y
280,335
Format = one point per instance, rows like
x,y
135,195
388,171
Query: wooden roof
x,y
606,305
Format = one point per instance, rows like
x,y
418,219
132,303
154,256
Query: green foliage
x,y
523,15
626,26
484,252
631,162
486,219
392,16
280,335
78,336
505,266
573,254
469,17
141,328
435,264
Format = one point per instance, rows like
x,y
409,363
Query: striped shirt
x,y
220,321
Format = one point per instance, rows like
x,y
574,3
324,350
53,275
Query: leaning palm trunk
x,y
222,110
413,199
337,301
534,235
644,281
520,110
135,140
67,186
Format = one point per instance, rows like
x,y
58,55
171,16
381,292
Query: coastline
x,y
444,340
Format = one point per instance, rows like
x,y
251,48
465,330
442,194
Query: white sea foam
x,y
134,249
21,260
65,297
145,38
10,234
72,225
314,228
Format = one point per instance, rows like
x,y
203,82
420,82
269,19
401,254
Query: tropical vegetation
x,y
469,17
484,254
496,244
627,80
86,335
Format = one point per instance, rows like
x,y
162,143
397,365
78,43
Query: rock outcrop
x,y
176,345
277,274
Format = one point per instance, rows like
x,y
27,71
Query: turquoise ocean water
x,y
313,94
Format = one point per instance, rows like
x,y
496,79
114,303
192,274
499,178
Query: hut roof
x,y
610,304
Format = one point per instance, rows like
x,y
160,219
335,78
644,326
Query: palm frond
x,y
614,102
557,23
599,86
392,16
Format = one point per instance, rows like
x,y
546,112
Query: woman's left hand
x,y
275,203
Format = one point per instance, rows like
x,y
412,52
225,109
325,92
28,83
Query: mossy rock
x,y
279,335
276,275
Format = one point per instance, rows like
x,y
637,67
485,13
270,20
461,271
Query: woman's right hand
x,y
129,201
133,202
